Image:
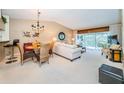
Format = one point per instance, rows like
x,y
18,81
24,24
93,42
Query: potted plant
x,y
4,19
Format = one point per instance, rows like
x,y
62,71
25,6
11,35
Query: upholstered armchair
x,y
51,48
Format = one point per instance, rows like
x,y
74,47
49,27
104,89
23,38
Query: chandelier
x,y
36,28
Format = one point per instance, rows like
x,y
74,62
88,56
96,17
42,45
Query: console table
x,y
2,50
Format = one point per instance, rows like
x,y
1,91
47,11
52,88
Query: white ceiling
x,y
73,19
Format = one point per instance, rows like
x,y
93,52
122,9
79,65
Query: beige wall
x,y
116,29
123,30
74,35
17,27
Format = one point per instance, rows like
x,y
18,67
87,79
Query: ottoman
x,y
110,75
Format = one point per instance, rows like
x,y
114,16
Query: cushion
x,y
70,46
66,45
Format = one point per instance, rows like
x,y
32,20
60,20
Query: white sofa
x,y
70,52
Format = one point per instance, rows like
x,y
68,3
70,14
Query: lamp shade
x,y
73,39
54,39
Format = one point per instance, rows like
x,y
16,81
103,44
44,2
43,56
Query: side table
x,y
84,49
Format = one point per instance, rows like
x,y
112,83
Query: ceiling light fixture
x,y
37,28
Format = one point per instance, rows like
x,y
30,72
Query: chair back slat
x,y
44,52
25,45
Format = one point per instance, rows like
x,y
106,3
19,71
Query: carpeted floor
x,y
59,71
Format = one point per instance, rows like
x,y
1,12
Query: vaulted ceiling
x,y
71,18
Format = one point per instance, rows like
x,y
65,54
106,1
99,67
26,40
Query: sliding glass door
x,y
89,41
92,40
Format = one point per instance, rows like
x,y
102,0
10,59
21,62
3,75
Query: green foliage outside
x,y
94,39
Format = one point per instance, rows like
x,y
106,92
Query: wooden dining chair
x,y
25,55
26,45
44,53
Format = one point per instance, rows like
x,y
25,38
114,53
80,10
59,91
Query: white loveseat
x,y
70,52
